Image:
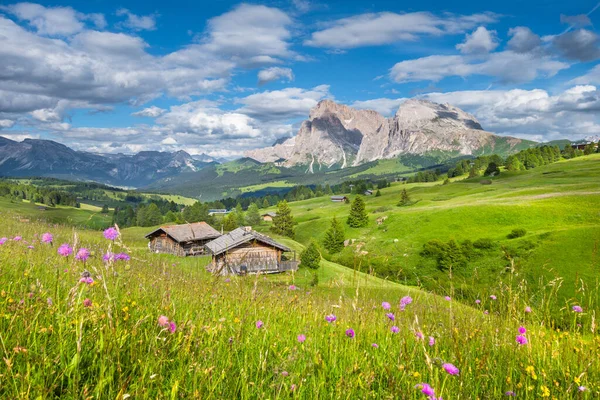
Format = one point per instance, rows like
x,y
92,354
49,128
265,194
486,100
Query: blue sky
x,y
223,77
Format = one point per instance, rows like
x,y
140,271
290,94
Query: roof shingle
x,y
188,232
240,236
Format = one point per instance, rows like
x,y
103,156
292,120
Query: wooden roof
x,y
188,232
270,214
238,237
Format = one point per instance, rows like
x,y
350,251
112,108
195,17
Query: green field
x,y
558,205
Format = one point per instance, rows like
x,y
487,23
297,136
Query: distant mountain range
x,y
46,158
338,136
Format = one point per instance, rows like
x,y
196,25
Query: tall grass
x,y
61,338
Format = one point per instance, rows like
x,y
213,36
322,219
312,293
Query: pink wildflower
x,y
395,329
172,327
451,369
426,389
111,233
292,287
375,345
259,324
47,237
521,339
350,333
419,335
87,279
527,309
65,250
87,303
493,297
431,341
3,240
522,330
301,338
17,238
391,316
448,298
330,318
163,321
477,301
385,305
577,309
83,254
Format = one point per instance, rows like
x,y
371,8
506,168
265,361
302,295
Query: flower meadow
x,y
76,321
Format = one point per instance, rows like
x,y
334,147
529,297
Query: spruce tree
x,y
252,215
311,257
358,214
378,193
334,237
283,222
230,222
265,203
405,199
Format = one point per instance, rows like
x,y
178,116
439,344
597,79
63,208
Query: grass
x,y
558,205
64,339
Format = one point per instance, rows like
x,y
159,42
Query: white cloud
x,y
383,106
591,77
581,45
151,112
6,123
386,27
283,104
507,66
527,113
481,41
53,21
169,141
138,22
274,73
523,40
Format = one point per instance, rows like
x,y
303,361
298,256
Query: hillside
x,y
157,326
558,205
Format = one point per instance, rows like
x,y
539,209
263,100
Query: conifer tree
x,y
405,199
334,237
311,257
358,214
283,222
252,215
230,222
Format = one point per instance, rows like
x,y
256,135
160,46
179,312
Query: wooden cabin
x,y
339,199
368,192
244,251
182,240
269,216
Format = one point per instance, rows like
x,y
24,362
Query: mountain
x,y
33,157
338,135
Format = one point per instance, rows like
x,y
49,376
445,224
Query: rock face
x,y
339,135
47,158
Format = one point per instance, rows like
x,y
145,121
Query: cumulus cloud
x,y
591,77
386,27
533,113
507,66
523,40
53,21
383,106
580,45
274,73
6,123
479,41
282,104
151,112
137,22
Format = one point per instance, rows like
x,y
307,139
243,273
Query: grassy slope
x,y
558,205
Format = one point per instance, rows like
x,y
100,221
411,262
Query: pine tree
x,y
334,237
252,215
153,215
378,193
405,199
358,214
104,209
283,222
311,257
265,203
230,222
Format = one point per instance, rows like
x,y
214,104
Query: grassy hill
x,y
557,205
258,336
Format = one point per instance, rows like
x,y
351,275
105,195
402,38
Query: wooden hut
x,y
243,251
268,217
339,199
182,240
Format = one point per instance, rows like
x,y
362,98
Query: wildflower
x,y
510,393
395,329
87,303
163,321
87,279
330,318
577,309
521,339
431,341
108,257
65,250
426,389
259,324
49,301
284,373
419,335
3,240
301,338
111,233
291,287
385,305
83,254
122,256
522,330
47,237
486,312
30,247
172,327
17,238
477,301
375,345
227,280
527,309
448,298
406,300
390,316
293,387
582,388
451,369
350,332
545,391
493,297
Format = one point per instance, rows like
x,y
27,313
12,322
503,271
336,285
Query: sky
x,y
223,77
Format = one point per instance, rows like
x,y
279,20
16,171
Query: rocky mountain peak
x,y
418,113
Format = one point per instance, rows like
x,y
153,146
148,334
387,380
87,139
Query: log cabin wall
x,y
256,257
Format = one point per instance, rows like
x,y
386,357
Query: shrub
x,y
484,244
517,233
485,182
311,256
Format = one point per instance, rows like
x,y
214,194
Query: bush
x,y
517,233
311,256
484,244
485,182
